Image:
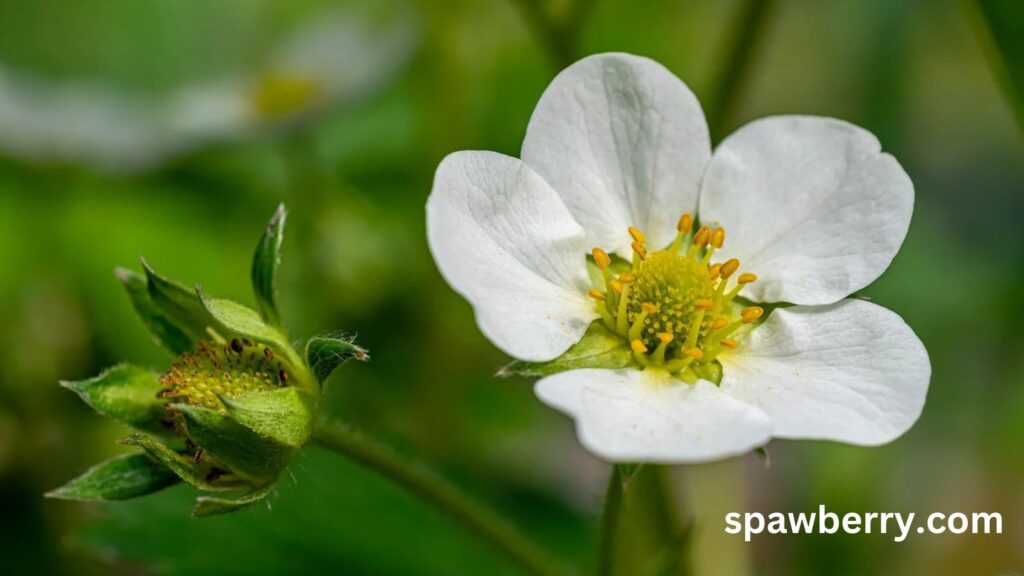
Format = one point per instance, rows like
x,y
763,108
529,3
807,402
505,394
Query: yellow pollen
x,y
747,278
616,285
637,235
729,343
601,258
750,314
704,304
638,347
695,353
638,247
666,337
685,223
649,308
714,271
729,268
701,238
719,323
595,294
718,238
626,278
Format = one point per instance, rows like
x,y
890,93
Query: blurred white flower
x,y
664,363
340,56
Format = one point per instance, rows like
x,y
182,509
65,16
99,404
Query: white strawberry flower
x,y
648,346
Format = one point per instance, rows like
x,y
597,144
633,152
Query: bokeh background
x,y
171,129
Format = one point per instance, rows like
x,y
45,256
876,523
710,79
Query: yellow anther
x,y
639,249
685,223
638,346
601,258
616,285
626,278
702,237
729,268
704,304
637,235
718,237
750,314
747,278
729,343
695,353
665,337
719,323
596,295
649,308
714,271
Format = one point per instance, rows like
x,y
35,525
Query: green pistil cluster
x,y
675,283
673,306
222,370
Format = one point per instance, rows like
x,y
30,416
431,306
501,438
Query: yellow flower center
x,y
674,306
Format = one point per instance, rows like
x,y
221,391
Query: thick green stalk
x,y
427,484
641,533
610,522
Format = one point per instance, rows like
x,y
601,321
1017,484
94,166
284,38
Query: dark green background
x,y
935,80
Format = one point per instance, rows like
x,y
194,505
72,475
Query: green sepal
x,y
265,263
164,332
244,451
119,478
599,348
326,353
212,506
284,415
125,393
178,305
237,320
193,474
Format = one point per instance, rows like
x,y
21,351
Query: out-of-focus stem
x,y
734,68
425,483
558,36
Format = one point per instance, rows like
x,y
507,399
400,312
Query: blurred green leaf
x,y
243,450
119,478
126,393
265,263
284,415
325,353
1003,23
599,348
211,506
164,332
178,304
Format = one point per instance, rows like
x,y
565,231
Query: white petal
x,y
503,239
851,371
624,142
643,416
811,205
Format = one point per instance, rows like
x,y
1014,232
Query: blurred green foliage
x,y
356,176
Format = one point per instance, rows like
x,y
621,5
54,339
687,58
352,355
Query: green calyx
x,y
233,409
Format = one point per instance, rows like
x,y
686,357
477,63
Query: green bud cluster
x,y
233,409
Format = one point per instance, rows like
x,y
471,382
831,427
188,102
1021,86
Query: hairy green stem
x,y
427,484
742,40
641,531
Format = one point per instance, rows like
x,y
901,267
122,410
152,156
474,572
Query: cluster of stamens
x,y
674,306
222,370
